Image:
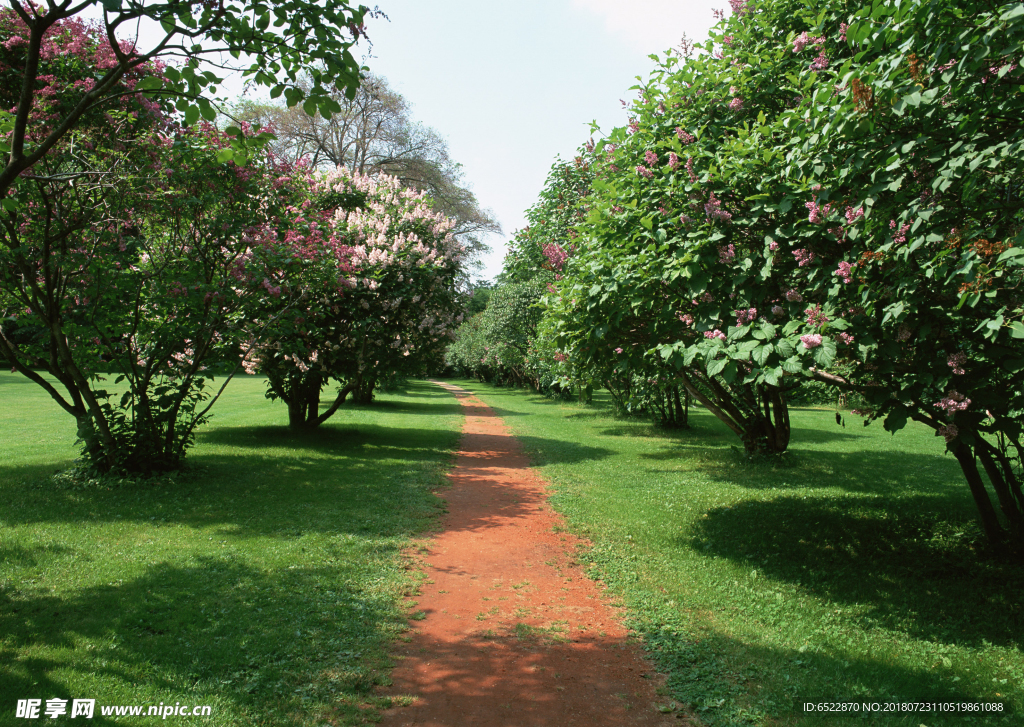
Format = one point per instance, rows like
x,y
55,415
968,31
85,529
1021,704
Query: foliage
x,y
847,570
750,229
370,295
139,273
279,40
267,582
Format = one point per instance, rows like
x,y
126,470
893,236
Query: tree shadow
x,y
545,451
269,644
917,572
726,680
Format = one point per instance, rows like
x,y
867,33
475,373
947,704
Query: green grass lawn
x,y
844,573
265,582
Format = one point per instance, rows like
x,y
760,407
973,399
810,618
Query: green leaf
x,y
897,419
191,115
226,154
761,354
715,366
1017,329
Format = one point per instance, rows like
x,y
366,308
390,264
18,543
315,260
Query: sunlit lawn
x,y
265,582
845,573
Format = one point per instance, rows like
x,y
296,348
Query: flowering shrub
x,y
369,295
843,182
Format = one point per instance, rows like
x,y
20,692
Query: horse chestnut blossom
x,y
811,340
714,334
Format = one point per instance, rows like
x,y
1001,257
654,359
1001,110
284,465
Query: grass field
x,y
265,582
844,573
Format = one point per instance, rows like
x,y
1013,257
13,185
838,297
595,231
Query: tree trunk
x,y
989,520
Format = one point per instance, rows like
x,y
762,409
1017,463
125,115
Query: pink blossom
x,y
634,126
618,350
843,27
803,40
852,215
811,340
743,317
559,356
644,171
948,432
689,169
815,317
736,104
687,319
820,63
778,310
713,210
903,333
556,255
650,157
739,7
804,257
794,296
685,136
673,160
726,253
846,338
844,272
714,334
953,402
773,246
956,362
900,236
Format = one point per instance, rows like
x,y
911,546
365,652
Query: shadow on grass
x,y
272,643
714,676
917,572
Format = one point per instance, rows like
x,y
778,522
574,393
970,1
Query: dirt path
x,y
514,633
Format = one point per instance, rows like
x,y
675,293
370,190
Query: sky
x,y
511,85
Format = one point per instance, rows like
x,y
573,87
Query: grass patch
x,y
846,571
265,582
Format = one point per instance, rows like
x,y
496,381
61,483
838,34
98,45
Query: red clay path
x,y
514,634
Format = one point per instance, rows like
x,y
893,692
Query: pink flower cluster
x,y
714,334
736,104
846,338
816,213
844,272
793,296
803,257
811,340
644,171
743,317
556,255
685,136
852,215
778,310
815,317
689,169
948,432
956,362
651,157
673,160
713,210
739,7
726,253
953,402
803,40
900,236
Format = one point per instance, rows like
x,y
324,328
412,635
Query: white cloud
x,y
652,26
